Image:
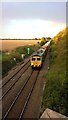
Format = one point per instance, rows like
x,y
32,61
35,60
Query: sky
x,y
25,20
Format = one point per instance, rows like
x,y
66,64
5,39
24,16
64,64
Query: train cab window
x,y
33,59
38,58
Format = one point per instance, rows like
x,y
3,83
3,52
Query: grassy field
x,y
55,94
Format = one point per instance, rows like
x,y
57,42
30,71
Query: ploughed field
x,y
11,44
23,89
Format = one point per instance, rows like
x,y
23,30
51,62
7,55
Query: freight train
x,y
37,58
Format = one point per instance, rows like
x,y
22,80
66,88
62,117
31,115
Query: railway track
x,y
28,98
18,92
12,74
10,96
20,96
19,72
8,86
15,108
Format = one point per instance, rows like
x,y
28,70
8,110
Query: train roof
x,y
41,50
39,53
46,44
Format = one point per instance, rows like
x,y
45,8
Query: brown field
x,y
11,44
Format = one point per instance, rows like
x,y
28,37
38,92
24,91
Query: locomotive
x,y
37,58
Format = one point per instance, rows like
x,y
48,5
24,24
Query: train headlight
x,y
31,64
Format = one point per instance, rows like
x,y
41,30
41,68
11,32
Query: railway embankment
x,y
56,86
50,115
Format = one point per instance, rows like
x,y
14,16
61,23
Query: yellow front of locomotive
x,y
36,61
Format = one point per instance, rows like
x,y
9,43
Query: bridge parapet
x,y
48,113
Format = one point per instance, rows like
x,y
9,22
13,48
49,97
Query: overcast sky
x,y
31,20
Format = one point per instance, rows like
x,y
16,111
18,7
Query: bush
x,y
7,65
17,56
23,50
53,53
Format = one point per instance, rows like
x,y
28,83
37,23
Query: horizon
x,y
31,38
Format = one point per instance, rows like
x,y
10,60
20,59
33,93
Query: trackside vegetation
x,y
55,94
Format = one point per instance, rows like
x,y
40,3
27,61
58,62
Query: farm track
x,y
8,86
23,95
13,73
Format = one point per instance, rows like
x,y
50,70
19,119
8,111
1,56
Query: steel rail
x,y
17,97
14,83
14,75
26,103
